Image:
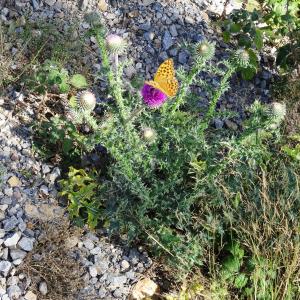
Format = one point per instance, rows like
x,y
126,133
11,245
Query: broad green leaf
x,y
244,41
258,39
235,28
226,36
64,87
240,281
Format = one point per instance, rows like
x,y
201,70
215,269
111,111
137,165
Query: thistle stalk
x,y
186,84
212,106
113,81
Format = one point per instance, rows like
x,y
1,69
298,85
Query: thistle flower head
x,y
205,49
115,44
86,100
242,58
153,97
148,134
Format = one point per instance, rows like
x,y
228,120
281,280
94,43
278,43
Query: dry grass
x,y
51,261
5,61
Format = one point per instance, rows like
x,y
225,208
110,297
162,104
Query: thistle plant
x,y
162,158
153,194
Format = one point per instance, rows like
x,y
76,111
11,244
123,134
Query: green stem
x,y
212,107
186,84
113,81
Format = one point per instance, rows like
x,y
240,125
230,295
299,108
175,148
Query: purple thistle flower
x,y
153,97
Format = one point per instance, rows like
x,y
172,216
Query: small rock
x,y
218,123
45,169
231,125
182,57
10,223
53,175
43,288
71,242
14,292
30,296
130,71
144,288
26,243
35,4
148,2
149,36
93,271
50,2
117,281
173,30
102,5
5,11
167,40
145,26
17,254
8,192
3,207
2,233
125,265
189,20
12,241
88,244
44,190
14,181
5,267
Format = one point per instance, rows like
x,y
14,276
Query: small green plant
x,y
52,76
275,22
59,136
81,188
243,26
231,266
293,151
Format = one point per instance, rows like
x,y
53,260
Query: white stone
x,y
43,288
125,264
17,254
26,243
88,244
5,267
14,292
50,2
93,271
13,240
2,233
30,296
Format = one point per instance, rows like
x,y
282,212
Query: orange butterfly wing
x,y
164,79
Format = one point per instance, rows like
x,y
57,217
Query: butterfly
x,y
164,79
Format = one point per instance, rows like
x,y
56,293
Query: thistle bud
x,y
115,43
86,100
205,49
149,134
242,58
278,110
